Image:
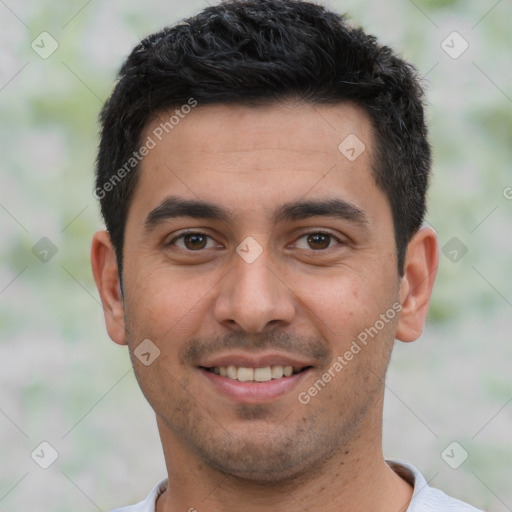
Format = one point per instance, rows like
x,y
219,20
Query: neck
x,y
356,478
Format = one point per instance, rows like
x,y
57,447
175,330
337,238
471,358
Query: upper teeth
x,y
253,374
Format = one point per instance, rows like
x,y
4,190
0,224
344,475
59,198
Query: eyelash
x,y
314,232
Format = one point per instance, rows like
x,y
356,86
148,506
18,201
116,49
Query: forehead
x,y
257,157
292,127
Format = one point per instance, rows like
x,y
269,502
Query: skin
x,y
306,300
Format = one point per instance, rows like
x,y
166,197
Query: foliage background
x,y
63,381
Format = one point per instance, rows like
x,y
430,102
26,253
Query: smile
x,y
263,374
255,384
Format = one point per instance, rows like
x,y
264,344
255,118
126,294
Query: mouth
x,y
250,379
261,374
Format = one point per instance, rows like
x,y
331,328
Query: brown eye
x,y
317,240
193,241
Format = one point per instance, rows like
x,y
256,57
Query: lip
x,y
255,360
255,392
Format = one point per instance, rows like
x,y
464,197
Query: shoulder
x,y
148,504
426,498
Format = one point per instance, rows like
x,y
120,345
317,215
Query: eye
x,y
317,240
197,241
193,241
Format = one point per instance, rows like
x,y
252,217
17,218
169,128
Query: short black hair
x,y
262,52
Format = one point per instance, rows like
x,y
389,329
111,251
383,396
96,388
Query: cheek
x,y
338,303
160,305
347,308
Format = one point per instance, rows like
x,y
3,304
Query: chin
x,y
265,459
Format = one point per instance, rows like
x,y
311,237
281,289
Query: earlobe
x,y
422,260
105,272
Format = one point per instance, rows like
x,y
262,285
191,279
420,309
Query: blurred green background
x,y
63,381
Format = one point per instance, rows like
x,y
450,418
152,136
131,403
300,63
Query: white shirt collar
x,y
424,498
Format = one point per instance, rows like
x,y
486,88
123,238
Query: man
x,y
262,174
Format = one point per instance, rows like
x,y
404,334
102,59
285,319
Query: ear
x,y
420,269
105,272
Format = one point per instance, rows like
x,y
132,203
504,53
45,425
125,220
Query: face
x,y
255,247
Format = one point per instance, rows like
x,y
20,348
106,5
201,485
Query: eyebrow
x,y
175,207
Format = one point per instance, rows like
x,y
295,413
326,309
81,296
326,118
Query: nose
x,y
254,296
